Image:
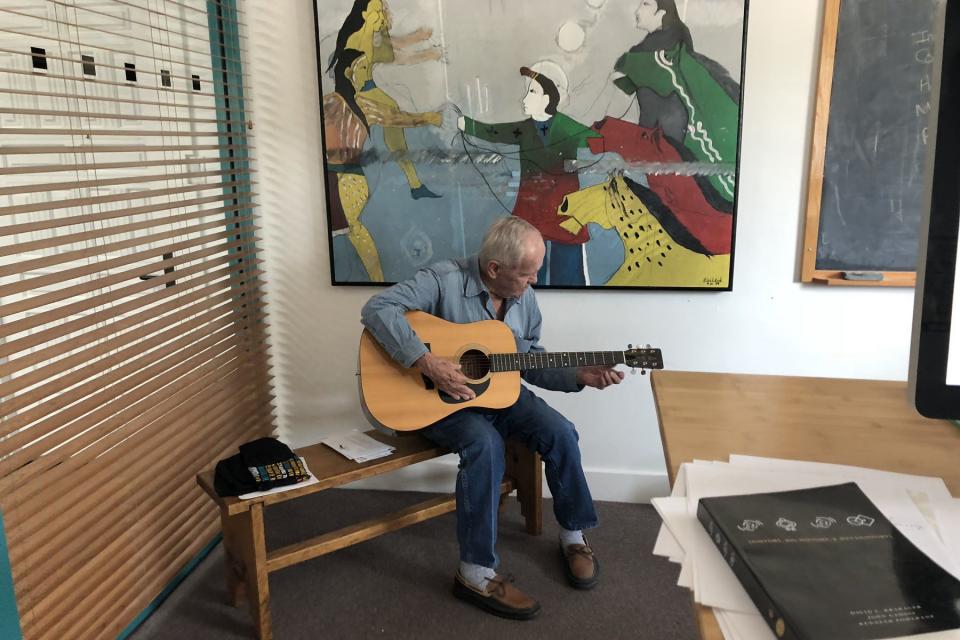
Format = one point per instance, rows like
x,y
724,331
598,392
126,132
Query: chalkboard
x,y
870,136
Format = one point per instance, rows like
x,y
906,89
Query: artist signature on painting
x,y
712,282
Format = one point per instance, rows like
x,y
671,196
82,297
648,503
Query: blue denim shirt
x,y
453,290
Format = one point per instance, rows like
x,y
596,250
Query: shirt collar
x,y
474,285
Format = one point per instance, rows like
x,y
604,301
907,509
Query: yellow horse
x,y
651,256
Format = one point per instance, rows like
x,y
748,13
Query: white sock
x,y
568,538
476,575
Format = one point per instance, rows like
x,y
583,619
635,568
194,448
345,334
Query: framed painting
x,y
611,126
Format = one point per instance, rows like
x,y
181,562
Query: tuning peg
x,y
629,346
643,372
633,371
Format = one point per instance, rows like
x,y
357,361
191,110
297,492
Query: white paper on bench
x,y
357,446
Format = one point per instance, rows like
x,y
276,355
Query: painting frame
x,y
680,202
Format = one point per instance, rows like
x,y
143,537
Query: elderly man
x,y
495,284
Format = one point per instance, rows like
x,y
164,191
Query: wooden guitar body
x,y
404,400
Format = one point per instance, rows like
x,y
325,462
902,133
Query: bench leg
x,y
233,558
246,558
526,469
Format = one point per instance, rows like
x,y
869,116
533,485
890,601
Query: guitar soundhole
x,y
474,364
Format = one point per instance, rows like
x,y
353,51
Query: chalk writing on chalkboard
x,y
867,169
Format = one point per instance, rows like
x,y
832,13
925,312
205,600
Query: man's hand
x,y
598,377
446,375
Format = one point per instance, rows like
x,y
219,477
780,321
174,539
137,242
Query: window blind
x,y
133,348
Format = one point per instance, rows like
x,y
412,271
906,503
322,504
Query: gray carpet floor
x,y
398,585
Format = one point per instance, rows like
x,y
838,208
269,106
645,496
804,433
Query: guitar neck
x,y
555,360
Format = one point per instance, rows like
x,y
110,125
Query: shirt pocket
x,y
523,344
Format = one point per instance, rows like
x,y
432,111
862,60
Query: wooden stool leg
x,y
232,558
248,548
526,469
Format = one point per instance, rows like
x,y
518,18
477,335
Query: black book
x,y
825,564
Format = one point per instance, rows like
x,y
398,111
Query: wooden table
x,y
249,562
865,423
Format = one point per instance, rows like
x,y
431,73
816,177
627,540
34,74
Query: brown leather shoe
x,y
580,565
500,598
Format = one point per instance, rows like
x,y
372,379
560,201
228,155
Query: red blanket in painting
x,y
538,198
682,194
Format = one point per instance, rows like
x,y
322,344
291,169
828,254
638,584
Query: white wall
x,y
768,324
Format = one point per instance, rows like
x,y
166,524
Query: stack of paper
x,y
920,507
358,446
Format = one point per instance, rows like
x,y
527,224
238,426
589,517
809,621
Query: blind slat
x,y
112,99
167,16
103,356
29,479
120,197
60,339
130,21
82,166
37,264
184,366
97,603
126,36
190,448
112,312
87,604
233,9
44,488
32,432
101,65
128,148
84,510
127,609
57,79
142,133
101,216
90,512
43,187
229,215
102,115
177,249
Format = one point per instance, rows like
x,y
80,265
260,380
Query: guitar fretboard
x,y
555,360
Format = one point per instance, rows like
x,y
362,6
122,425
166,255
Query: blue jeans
x,y
478,436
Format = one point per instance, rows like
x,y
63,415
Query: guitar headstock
x,y
643,357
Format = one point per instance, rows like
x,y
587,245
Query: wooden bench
x,y
249,562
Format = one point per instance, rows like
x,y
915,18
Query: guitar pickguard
x,y
478,389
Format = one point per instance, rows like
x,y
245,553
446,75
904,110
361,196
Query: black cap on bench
x,y
262,464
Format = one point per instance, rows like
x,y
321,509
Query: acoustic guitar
x,y
403,399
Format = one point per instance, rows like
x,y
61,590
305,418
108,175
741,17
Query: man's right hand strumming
x,y
446,375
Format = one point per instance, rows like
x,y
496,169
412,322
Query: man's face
x,y
359,69
535,101
511,282
649,16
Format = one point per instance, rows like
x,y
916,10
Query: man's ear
x,y
492,268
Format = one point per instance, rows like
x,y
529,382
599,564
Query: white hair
x,y
504,241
